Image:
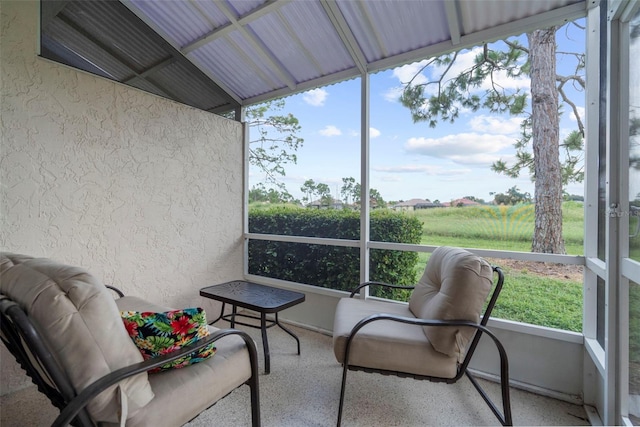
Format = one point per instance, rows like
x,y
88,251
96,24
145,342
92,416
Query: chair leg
x,y
342,391
506,402
253,382
255,403
505,418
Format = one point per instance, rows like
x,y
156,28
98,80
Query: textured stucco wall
x,y
144,192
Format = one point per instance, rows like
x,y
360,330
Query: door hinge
x,y
615,211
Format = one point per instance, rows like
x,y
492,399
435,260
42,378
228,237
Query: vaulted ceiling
x,y
217,55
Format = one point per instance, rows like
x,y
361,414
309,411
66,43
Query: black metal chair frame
x,y
505,417
30,349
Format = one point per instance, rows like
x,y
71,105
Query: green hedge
x,y
332,267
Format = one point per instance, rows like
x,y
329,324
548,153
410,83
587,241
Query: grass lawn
x,y
496,227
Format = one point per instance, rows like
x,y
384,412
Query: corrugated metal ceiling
x,y
219,54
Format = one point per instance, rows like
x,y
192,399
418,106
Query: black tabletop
x,y
261,298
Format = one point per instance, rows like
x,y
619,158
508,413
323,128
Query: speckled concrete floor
x,y
304,391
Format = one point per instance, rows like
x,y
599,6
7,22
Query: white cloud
x,y
483,159
410,71
330,130
496,125
462,148
393,94
315,97
373,133
390,178
405,169
422,169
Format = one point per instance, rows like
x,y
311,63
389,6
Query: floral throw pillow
x,y
156,334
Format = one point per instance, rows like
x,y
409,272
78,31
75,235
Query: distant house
x,y
373,204
428,205
410,205
317,204
461,202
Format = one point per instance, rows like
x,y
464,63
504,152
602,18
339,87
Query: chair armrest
x,y
98,386
386,285
116,290
416,321
504,364
422,322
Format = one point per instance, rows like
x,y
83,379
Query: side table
x,y
260,298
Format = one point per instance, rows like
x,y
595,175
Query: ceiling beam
x,y
298,42
372,29
98,49
453,20
346,35
157,67
252,64
221,31
259,46
159,31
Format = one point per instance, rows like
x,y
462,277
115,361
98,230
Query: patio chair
x,y
433,337
66,330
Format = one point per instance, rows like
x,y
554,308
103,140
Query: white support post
x,y
591,211
364,180
613,202
240,116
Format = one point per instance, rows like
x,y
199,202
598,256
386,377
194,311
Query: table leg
x,y
265,343
289,332
233,316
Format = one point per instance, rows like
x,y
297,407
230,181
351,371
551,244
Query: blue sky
x,y
411,160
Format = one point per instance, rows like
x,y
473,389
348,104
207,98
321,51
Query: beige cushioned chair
x,y
434,336
64,327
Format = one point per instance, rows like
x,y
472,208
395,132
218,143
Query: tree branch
x,y
517,46
569,102
574,78
420,72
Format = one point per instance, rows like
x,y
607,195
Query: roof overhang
x,y
220,54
